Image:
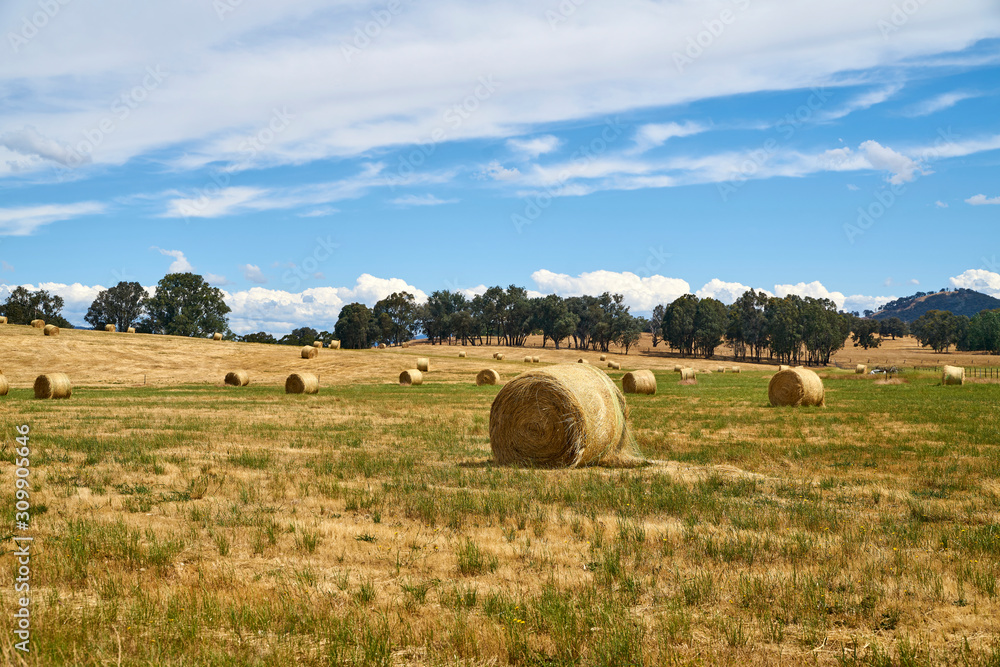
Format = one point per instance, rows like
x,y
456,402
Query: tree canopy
x,y
185,305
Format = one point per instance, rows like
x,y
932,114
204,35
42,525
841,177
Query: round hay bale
x,y
721,369
110,328
406,345
461,355
53,385
487,376
952,375
3,319
411,377
302,383
130,330
527,360
4,386
495,354
688,374
309,352
561,416
237,378
500,356
51,330
318,344
639,382
678,369
423,364
860,369
735,369
334,344
604,357
381,346
580,361
783,367
216,336
534,360
38,324
796,386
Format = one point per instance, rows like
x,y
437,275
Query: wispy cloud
x,y
532,148
939,103
421,200
22,221
656,134
982,200
862,102
30,142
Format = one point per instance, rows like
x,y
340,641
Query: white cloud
x,y
939,103
180,263
30,142
914,281
5,266
642,294
656,134
421,200
76,297
725,292
814,289
253,273
216,280
940,204
370,289
319,212
981,200
861,303
863,101
981,280
496,171
532,148
852,187
22,221
901,168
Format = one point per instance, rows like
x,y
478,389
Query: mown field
x,y
206,525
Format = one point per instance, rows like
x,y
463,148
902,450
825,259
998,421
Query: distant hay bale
x,y
735,369
4,386
639,382
461,354
527,360
309,352
614,365
495,354
38,324
130,330
500,356
796,386
783,367
722,369
560,416
53,385
334,344
302,383
688,374
51,330
604,357
411,377
406,345
580,361
678,369
110,328
237,378
487,376
423,364
952,375
3,319
381,346
860,369
318,344
534,360
216,336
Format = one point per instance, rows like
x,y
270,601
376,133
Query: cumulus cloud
x,y
217,280
815,289
981,280
24,220
532,148
497,172
861,303
982,200
76,297
725,292
29,141
901,168
253,273
641,294
180,263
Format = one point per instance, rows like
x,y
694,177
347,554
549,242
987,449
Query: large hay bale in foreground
x,y
51,330
639,382
38,324
237,378
952,375
302,383
796,386
53,385
110,328
130,330
334,344
309,352
4,386
487,376
688,374
461,354
860,369
561,416
423,364
411,377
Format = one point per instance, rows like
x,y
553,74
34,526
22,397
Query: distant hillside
x,y
960,302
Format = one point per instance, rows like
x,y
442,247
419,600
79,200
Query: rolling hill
x,y
960,302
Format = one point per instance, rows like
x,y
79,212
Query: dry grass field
x,y
184,522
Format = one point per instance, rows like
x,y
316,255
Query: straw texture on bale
x,y
38,324
639,382
527,360
318,344
487,376
130,330
952,375
580,361
461,355
53,385
51,330
4,386
500,356
604,357
796,386
423,364
309,352
783,367
688,374
302,383
411,377
237,378
334,344
110,328
860,369
534,360
3,320
561,416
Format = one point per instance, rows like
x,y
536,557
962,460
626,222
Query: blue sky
x,y
307,154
